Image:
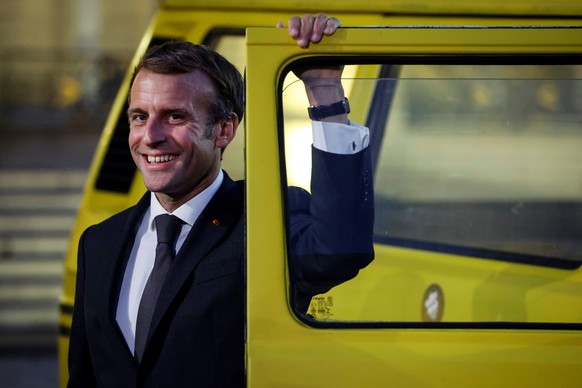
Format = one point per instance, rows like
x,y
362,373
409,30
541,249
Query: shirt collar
x,y
191,210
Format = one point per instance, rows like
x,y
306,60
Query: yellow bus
x,y
475,113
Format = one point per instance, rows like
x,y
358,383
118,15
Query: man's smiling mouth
x,y
160,159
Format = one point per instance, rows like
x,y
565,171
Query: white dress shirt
x,y
330,137
142,257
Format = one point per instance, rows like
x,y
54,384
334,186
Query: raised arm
x,y
331,229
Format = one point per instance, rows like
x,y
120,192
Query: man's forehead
x,y
194,84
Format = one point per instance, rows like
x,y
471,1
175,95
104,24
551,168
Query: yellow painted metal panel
x,y
435,40
440,7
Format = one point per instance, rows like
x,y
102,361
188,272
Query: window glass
x,y
478,193
484,157
298,136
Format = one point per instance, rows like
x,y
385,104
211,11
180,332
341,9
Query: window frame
x,y
377,126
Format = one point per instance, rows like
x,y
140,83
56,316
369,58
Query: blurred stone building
x,y
61,60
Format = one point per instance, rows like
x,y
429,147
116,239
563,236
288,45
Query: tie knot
x,y
167,227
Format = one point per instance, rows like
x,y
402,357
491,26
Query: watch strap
x,y
320,112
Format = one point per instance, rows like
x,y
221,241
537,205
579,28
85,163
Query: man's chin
x,y
157,187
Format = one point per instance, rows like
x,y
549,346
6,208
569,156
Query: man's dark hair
x,y
181,57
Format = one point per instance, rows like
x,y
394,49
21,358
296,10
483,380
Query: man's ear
x,y
227,131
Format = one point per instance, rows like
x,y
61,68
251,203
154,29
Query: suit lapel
x,y
118,249
121,250
218,218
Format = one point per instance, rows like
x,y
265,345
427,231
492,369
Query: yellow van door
x,y
475,136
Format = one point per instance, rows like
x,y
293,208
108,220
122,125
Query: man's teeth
x,y
159,159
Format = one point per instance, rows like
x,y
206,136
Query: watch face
x,y
346,105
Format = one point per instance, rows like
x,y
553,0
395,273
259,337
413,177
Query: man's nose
x,y
154,133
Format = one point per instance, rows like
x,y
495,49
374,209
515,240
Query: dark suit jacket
x,y
197,334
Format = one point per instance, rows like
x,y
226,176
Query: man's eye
x,y
175,117
139,118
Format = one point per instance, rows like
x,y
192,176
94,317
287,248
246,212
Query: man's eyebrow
x,y
131,111
166,111
177,109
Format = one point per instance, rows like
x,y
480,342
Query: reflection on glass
x,y
478,196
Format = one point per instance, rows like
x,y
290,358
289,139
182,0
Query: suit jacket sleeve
x,y
331,231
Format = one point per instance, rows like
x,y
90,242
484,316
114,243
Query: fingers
x,y
307,30
324,25
331,26
310,29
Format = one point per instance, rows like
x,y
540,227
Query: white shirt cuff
x,y
340,138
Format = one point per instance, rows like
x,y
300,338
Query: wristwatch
x,y
320,112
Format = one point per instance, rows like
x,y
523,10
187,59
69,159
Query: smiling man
x,y
161,286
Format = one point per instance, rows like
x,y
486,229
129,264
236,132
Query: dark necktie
x,y
167,229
